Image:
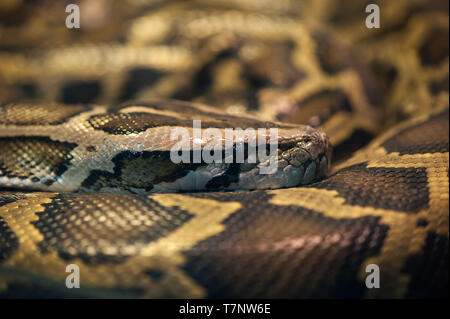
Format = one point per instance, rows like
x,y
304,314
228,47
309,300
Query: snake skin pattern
x,y
381,96
73,150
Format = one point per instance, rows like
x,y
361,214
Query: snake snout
x,y
313,169
308,161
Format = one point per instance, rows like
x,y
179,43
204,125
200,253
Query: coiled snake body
x,y
93,185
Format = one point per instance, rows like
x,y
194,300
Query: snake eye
x,y
304,141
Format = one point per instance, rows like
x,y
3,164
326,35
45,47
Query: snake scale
x,y
85,177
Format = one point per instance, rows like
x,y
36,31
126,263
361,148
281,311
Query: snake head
x,y
303,157
310,156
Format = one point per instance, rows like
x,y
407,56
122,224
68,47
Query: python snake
x,y
85,177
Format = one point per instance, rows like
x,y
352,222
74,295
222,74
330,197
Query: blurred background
x,y
306,61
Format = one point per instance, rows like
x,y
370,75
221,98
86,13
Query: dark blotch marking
x,y
139,170
435,49
34,157
130,123
274,68
203,79
81,92
154,274
333,56
402,189
271,69
9,242
347,147
422,222
428,270
190,112
379,82
138,79
38,113
318,108
230,176
87,227
427,137
137,122
28,90
286,251
252,98
439,86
